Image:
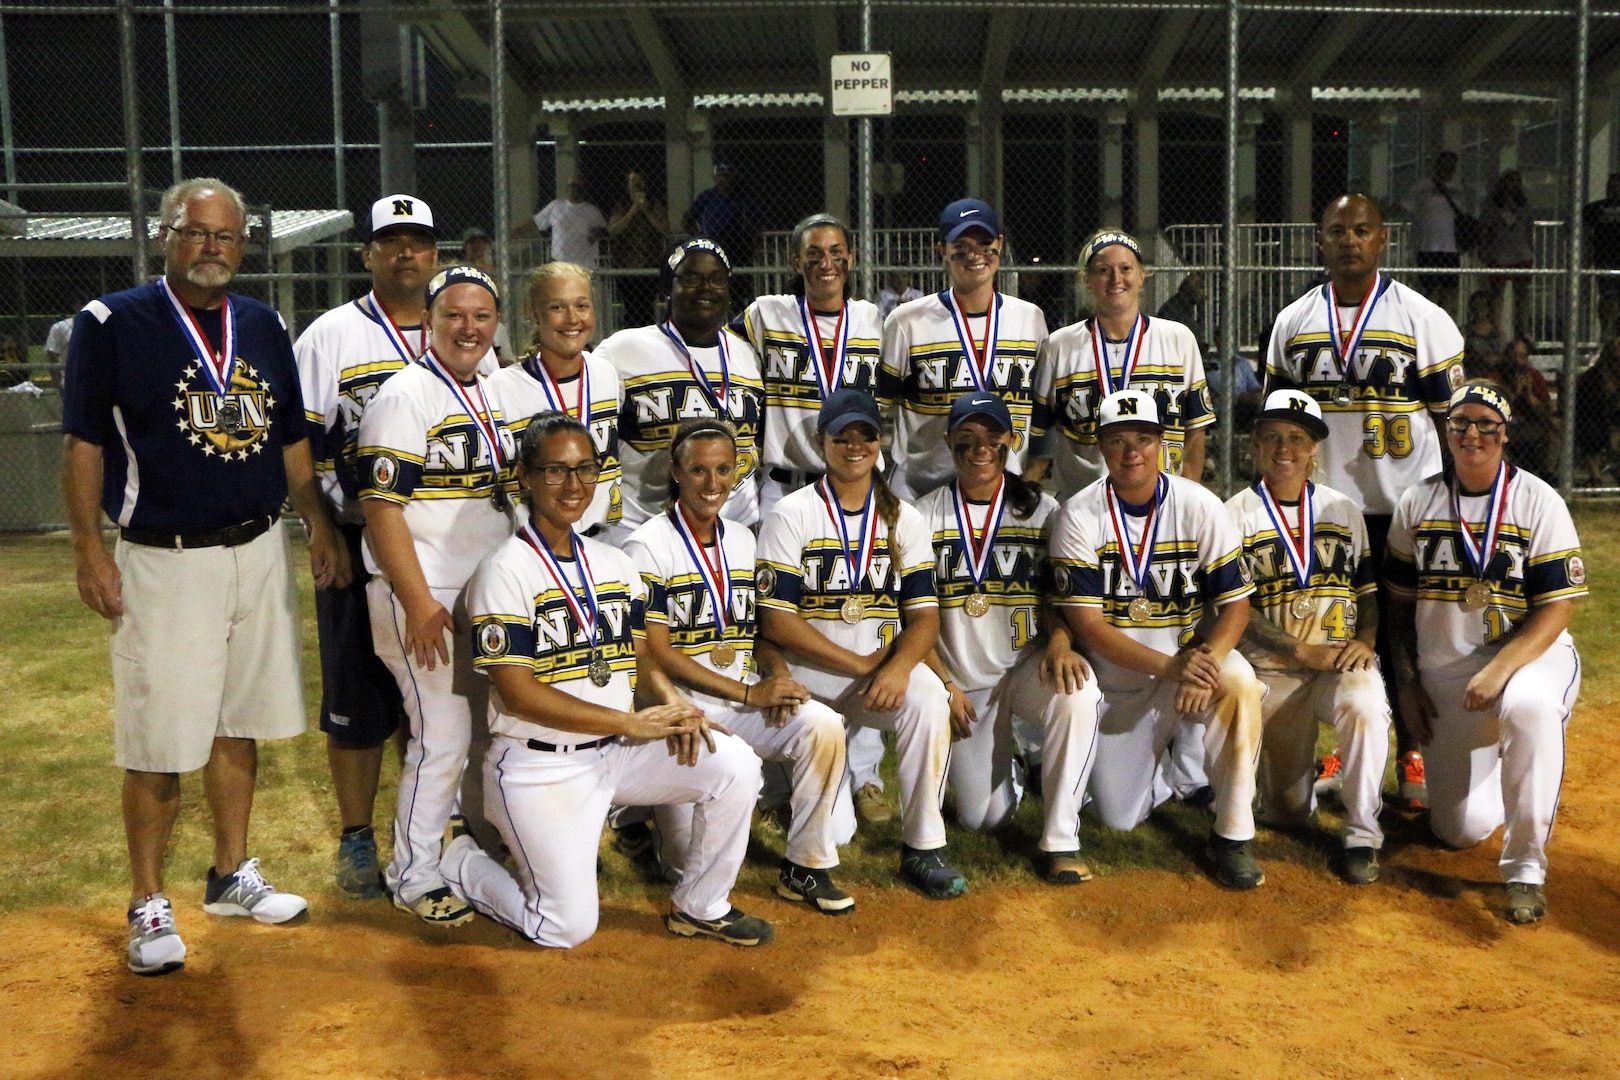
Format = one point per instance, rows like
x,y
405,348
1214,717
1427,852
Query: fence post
x,y
1229,261
497,120
868,230
1577,202
132,137
172,64
5,119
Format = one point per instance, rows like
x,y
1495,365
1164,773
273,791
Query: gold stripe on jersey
x,y
1386,372
1330,583
657,403
691,627
1013,578
824,583
551,644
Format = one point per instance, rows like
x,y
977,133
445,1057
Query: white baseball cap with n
x,y
393,211
1129,407
1295,407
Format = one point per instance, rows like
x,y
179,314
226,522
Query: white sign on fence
x,y
861,85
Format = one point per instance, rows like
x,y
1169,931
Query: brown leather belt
x,y
230,536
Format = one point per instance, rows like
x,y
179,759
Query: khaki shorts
x,y
207,647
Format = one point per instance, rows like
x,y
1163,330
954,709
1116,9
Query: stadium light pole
x,y
132,137
1577,202
868,233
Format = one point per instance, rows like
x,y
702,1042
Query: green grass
x,y
59,804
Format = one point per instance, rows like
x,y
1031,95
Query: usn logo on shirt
x,y
228,426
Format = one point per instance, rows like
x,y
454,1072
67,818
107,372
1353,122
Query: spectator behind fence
x,y
897,290
1186,308
640,232
1602,222
1597,403
1534,444
575,224
1436,216
1505,222
56,347
732,219
475,250
1482,335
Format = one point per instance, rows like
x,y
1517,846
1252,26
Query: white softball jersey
x,y
524,393
659,392
926,366
1408,360
1166,364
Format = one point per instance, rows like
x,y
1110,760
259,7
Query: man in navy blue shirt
x,y
185,424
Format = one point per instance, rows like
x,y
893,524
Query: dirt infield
x,y
1146,974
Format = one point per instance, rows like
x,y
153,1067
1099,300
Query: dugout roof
x,y
109,235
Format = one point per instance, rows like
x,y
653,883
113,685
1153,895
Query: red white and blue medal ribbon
x,y
979,363
716,579
1480,553
698,375
217,367
1345,343
1135,561
1298,548
828,374
1132,357
860,562
978,550
584,612
484,421
553,389
396,337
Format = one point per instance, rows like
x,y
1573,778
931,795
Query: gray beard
x,y
209,275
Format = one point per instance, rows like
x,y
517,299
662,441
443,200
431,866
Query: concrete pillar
x,y
1111,204
387,79
700,140
565,134
835,168
1378,156
522,166
1248,128
1146,224
1299,127
1600,132
396,136
973,138
678,189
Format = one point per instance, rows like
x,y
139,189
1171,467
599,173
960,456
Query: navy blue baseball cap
x,y
848,406
979,403
965,214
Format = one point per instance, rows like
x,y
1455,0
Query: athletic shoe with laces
x,y
438,907
1414,788
155,947
813,887
247,893
1330,774
1526,903
735,927
1235,868
357,873
1065,868
930,873
634,841
1360,866
871,806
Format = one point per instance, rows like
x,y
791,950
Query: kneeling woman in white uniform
x,y
999,653
1483,566
558,625
1139,559
699,574
846,590
1311,631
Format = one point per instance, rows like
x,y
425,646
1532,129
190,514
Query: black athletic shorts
x,y
360,700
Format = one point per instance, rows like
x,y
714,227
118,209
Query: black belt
x,y
794,476
230,536
552,748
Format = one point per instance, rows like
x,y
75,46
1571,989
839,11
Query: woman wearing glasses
x,y
557,374
1483,565
699,574
846,590
434,456
686,366
559,625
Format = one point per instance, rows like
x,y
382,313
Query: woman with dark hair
x,y
1001,654
846,590
688,365
1535,427
1505,224
559,624
812,341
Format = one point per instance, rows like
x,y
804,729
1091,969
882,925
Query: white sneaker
x,y
247,893
155,947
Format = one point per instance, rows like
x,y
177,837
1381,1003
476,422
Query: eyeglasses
x,y
1458,426
689,280
224,238
555,475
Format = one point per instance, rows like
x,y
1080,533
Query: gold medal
x,y
976,605
1344,394
724,654
600,672
853,611
1303,607
1476,596
1140,609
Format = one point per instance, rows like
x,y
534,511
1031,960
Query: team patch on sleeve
x,y
1575,570
492,638
384,472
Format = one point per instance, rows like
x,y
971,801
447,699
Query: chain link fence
x,y
1068,116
